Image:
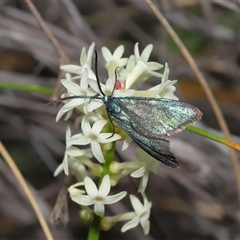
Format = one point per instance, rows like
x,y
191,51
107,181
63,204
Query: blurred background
x,y
197,201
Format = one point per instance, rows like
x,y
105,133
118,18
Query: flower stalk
x,y
90,154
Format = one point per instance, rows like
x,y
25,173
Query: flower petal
x,y
98,126
131,63
97,151
68,133
154,66
118,52
154,74
105,137
83,57
105,186
76,102
84,83
99,208
90,187
86,128
58,170
136,51
60,114
137,205
122,62
71,68
145,225
115,198
138,173
93,84
97,103
146,52
74,152
124,93
110,85
90,54
82,200
65,163
127,141
131,224
71,87
143,183
107,55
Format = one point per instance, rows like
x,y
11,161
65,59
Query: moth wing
x,y
157,147
159,115
149,120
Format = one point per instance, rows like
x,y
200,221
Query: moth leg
x,y
113,126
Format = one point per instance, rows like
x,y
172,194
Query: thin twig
x,y
45,29
27,191
204,84
63,57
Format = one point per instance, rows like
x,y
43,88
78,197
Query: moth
x,y
148,121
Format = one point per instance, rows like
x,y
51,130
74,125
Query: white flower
x,y
76,90
60,112
114,60
120,170
85,63
70,151
165,89
142,214
143,58
143,68
94,137
74,190
126,72
150,164
98,197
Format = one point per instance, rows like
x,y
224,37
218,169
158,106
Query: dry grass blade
x,y
26,189
53,40
205,86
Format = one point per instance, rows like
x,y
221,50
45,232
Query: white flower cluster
x,y
98,137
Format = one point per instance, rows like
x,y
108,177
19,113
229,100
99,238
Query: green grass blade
x,y
26,87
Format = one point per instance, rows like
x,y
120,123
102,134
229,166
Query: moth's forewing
x,y
149,120
156,147
158,115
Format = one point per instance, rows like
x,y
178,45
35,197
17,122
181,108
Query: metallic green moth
x,y
148,121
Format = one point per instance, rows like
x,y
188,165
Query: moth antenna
x,y
100,89
72,97
96,72
52,102
115,81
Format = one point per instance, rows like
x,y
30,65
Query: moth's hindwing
x,y
149,120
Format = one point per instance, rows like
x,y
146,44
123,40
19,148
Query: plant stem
x,y
94,231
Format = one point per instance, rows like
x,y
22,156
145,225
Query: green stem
x,y
109,156
26,87
94,231
213,137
